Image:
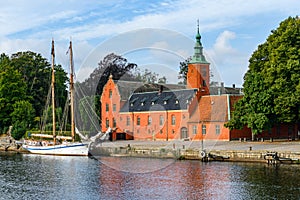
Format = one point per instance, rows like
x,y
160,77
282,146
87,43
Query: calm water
x,y
50,177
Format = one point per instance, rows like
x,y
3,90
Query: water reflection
x,y
50,177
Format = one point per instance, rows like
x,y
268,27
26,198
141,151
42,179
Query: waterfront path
x,y
275,146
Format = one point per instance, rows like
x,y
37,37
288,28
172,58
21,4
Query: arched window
x,y
149,120
173,118
114,123
138,121
128,121
107,122
161,120
194,129
203,129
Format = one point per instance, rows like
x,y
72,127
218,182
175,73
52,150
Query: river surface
x,y
25,176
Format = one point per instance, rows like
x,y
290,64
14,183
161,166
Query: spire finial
x,y
198,49
198,24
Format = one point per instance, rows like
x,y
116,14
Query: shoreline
x,y
227,151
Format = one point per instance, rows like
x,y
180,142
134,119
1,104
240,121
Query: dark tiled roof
x,y
155,101
224,90
126,88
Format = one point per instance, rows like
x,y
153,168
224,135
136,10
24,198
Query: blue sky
x,y
231,30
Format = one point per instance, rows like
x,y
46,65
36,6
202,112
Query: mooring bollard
x,y
250,148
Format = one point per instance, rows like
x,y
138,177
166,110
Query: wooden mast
x,y
52,90
72,92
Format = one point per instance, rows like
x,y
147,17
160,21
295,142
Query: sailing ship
x,y
55,147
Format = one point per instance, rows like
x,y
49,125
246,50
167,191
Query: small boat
x,y
55,147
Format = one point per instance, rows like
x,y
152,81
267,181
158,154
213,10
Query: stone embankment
x,y
7,143
271,152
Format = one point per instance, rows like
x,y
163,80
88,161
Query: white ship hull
x,y
69,149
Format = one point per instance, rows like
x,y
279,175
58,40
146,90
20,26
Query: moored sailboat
x,y
55,147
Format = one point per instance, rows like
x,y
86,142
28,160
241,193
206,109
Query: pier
x,y
269,152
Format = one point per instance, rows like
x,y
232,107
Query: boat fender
x,y
203,154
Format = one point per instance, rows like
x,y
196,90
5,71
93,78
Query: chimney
x,y
222,85
233,86
160,89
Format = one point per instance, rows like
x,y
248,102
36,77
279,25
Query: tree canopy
x,y
24,87
272,82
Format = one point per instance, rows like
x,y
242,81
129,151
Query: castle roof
x,y
159,101
127,88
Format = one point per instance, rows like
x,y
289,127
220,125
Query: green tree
x,y
22,117
146,76
183,69
36,73
12,90
272,82
112,64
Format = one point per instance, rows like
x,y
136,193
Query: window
x,y
128,121
173,131
203,71
203,129
204,83
217,129
161,120
149,120
138,121
107,123
161,132
173,120
114,123
110,94
114,107
107,107
194,129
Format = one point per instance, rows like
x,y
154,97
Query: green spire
x,y
198,56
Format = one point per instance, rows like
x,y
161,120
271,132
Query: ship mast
x,y
72,92
52,90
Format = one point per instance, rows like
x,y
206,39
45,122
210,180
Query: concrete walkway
x,y
278,146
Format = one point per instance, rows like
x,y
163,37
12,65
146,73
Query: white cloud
x,y
222,49
30,26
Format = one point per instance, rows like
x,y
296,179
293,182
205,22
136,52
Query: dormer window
x,y
154,99
143,101
166,99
